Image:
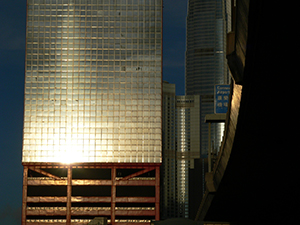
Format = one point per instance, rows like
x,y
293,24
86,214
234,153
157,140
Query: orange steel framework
x,y
44,208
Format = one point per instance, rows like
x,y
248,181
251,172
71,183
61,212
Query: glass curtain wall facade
x,y
93,82
181,146
187,149
206,60
168,169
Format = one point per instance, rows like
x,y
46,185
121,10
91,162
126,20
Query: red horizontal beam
x,y
135,182
46,212
46,199
47,223
92,165
54,223
136,199
78,182
135,213
53,212
91,199
37,182
64,199
83,223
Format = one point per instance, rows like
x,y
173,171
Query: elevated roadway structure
x,y
254,180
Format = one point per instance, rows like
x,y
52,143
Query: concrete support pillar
x,y
24,198
69,195
157,193
113,195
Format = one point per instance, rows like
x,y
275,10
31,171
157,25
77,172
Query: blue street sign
x,y
222,92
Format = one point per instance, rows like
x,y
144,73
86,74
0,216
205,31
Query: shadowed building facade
x,y
181,149
92,114
206,59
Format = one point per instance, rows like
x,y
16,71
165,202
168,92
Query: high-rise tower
x,y
92,116
206,59
181,151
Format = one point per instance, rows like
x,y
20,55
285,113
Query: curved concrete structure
x,y
254,180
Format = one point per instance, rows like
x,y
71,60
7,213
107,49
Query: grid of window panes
x,y
182,144
168,168
93,81
206,60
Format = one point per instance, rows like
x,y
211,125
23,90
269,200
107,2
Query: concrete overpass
x,y
255,178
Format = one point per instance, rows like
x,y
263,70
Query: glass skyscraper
x,y
93,111
93,81
181,146
206,59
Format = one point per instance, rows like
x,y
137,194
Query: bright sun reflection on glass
x,y
71,152
71,156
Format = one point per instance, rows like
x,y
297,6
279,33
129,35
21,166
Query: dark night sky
x,y
12,56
